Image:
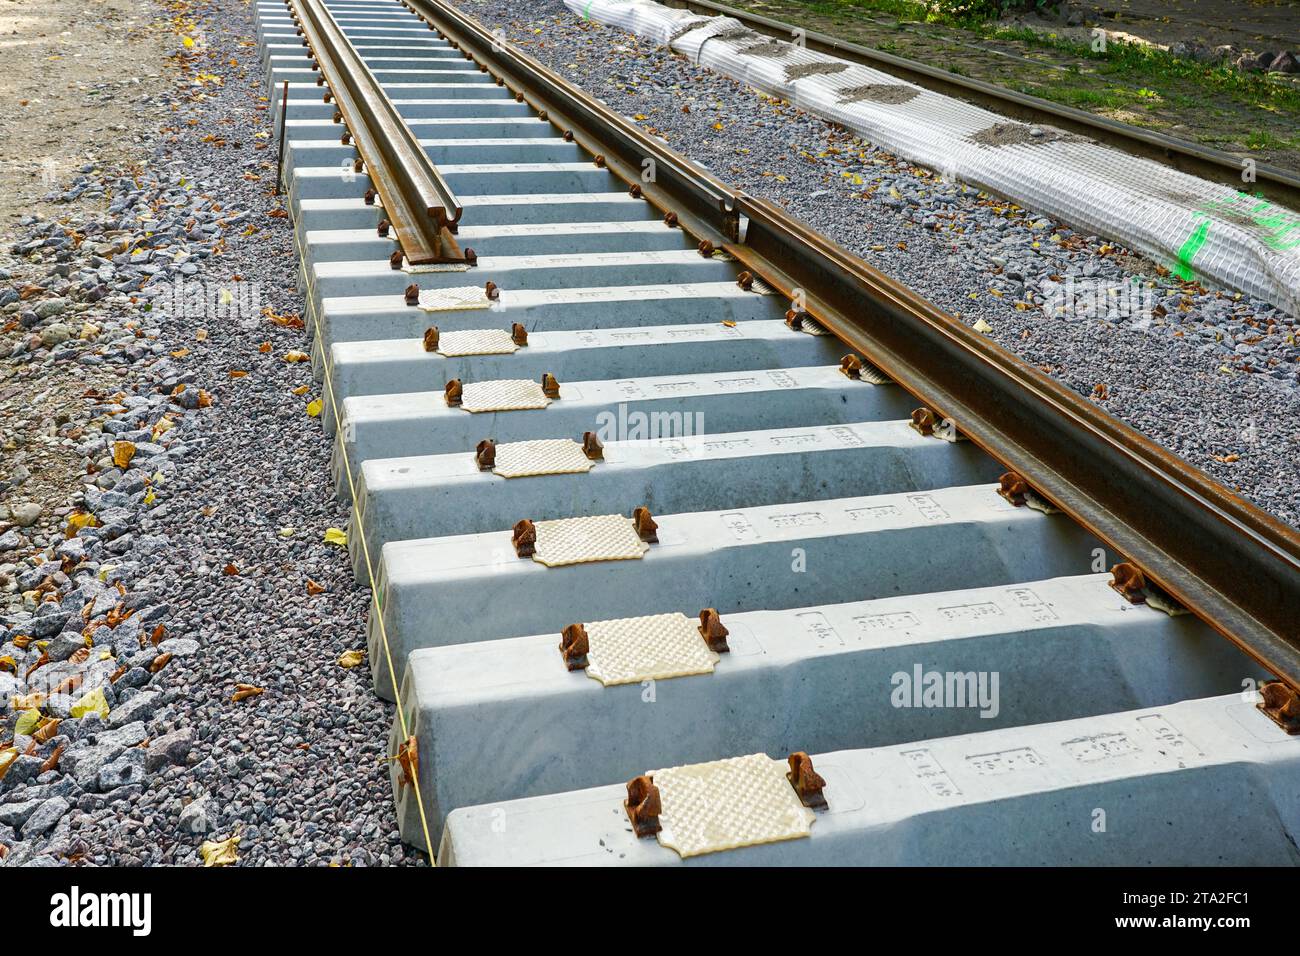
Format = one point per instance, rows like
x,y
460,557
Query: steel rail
x,y
419,205
1227,561
1274,182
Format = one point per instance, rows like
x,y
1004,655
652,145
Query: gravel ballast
x,y
1208,374
202,566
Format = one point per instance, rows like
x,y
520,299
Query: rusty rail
x,y
420,206
1224,559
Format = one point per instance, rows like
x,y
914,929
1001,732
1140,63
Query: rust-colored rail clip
x,y
591,447
924,420
1280,704
574,647
1013,488
745,280
670,219
491,291
711,629
519,335
471,257
1129,581
643,806
851,366
412,294
396,260
485,454
383,227
634,190
524,538
795,319
369,197
452,393
706,248
599,160
807,782
646,528
550,386
431,339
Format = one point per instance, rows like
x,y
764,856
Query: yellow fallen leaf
x,y
336,536
245,691
162,427
982,326
187,42
7,663
93,702
314,407
27,721
150,497
223,853
287,531
350,659
78,521
123,452
295,356
202,334
314,587
301,390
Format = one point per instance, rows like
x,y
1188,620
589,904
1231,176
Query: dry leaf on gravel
x,y
336,536
220,853
245,691
350,659
123,452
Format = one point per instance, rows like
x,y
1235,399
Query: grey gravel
x,y
140,322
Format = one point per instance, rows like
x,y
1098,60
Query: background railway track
x,y
841,545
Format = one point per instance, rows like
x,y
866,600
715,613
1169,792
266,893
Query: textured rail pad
x,y
728,804
629,650
476,342
404,365
475,587
452,299
386,426
405,498
845,674
1127,789
503,395
359,318
530,459
1227,235
567,541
